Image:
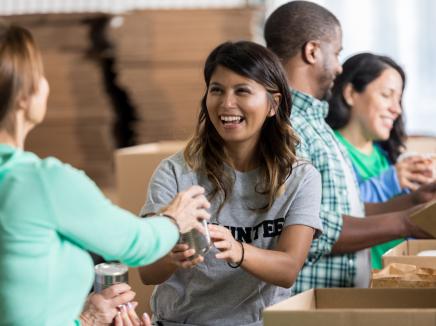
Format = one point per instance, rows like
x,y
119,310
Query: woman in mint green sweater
x,y
365,111
51,213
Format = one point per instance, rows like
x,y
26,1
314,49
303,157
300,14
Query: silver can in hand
x,y
107,274
198,241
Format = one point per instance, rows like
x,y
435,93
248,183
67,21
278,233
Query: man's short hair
x,y
292,25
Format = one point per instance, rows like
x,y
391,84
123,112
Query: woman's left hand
x,y
101,308
127,316
230,249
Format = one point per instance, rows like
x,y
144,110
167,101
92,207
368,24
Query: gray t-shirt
x,y
212,293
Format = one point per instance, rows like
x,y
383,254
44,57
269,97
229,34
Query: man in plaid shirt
x,y
308,39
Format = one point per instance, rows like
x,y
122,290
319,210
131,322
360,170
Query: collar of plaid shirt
x,y
309,106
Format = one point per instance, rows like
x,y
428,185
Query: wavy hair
x,y
205,152
359,71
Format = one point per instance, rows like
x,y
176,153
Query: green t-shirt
x,y
369,166
50,213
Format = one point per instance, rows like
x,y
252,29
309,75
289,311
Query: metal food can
x,y
198,241
107,274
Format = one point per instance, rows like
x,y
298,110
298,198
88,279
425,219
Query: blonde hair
x,y
21,70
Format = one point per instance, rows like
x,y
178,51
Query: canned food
x,y
107,274
198,241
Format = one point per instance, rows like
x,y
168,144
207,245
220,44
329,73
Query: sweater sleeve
x,y
162,188
82,214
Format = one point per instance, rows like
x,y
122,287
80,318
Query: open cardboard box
x,y
355,307
405,253
134,167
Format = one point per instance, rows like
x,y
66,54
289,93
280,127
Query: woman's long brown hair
x,y
205,151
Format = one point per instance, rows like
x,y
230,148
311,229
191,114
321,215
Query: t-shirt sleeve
x,y
83,215
305,205
380,188
162,188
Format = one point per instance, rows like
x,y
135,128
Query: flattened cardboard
x,y
425,218
355,307
405,253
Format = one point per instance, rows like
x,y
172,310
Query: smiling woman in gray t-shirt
x,y
265,204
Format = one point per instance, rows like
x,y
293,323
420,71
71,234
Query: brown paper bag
x,y
404,276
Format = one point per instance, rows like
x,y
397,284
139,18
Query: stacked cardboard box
x,y
161,54
78,122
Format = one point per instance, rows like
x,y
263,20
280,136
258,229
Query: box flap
x,y
425,218
416,246
166,146
405,253
400,250
302,301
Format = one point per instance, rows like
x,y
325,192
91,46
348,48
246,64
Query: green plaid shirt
x,y
319,146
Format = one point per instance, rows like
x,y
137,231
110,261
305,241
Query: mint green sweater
x,y
50,214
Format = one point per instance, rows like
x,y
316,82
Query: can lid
x,y
112,269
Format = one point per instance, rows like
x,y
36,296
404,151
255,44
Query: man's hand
x,y
425,193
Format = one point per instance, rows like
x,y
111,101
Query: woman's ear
x,y
348,94
277,97
310,51
22,103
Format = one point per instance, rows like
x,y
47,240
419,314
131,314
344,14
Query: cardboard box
x,y
406,253
143,292
356,307
425,218
134,167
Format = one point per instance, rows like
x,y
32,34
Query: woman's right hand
x,y
187,208
414,171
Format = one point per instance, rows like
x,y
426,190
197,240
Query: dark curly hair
x,y
292,25
359,71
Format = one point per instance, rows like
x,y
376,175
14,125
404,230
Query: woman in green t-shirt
x,y
366,114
